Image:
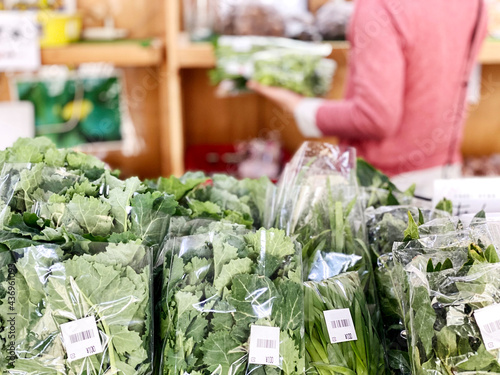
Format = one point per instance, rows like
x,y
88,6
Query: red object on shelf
x,y
213,159
220,158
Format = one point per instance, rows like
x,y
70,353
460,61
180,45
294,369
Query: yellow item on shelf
x,y
58,29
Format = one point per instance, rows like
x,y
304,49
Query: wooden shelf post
x,y
172,136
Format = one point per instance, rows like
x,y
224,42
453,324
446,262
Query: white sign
x,y
469,195
19,41
488,320
81,338
17,120
340,325
264,345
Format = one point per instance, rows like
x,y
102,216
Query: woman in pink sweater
x,y
404,108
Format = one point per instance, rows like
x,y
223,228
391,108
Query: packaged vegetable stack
x,y
387,225
76,242
316,202
446,249
451,310
69,303
59,195
80,309
232,303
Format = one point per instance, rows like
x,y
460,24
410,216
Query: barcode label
x,y
492,327
81,338
264,345
340,325
489,325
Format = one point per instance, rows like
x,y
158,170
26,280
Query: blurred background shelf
x,y
201,55
490,53
126,53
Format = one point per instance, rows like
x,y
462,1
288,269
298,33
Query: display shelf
x,y
490,52
201,55
128,53
195,55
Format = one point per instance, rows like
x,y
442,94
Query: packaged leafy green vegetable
x,y
296,65
307,74
227,198
453,314
433,253
232,304
339,334
387,224
82,310
317,203
44,202
42,150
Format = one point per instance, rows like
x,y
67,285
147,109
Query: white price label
x,y
488,320
340,325
81,338
19,41
264,345
469,195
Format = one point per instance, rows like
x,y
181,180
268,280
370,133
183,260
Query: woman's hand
x,y
287,99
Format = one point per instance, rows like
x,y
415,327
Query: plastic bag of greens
x,y
232,304
436,253
82,310
453,315
339,333
374,197
387,224
237,56
316,201
305,179
306,74
227,198
21,184
50,202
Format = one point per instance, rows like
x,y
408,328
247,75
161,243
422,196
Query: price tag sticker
x,y
488,320
340,325
264,345
81,338
469,195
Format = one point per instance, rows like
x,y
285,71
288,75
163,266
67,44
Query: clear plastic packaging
x,y
308,75
45,203
432,253
445,332
332,355
313,168
241,58
220,285
316,201
80,310
386,225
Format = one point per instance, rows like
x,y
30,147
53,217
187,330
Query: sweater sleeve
x,y
374,107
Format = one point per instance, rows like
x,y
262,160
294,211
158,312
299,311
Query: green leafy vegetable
x,y
217,285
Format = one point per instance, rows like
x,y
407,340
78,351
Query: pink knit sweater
x,y
404,101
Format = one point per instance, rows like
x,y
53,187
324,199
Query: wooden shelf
x,y
201,55
490,52
194,55
122,54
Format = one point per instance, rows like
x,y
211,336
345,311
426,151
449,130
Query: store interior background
x,y
175,109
